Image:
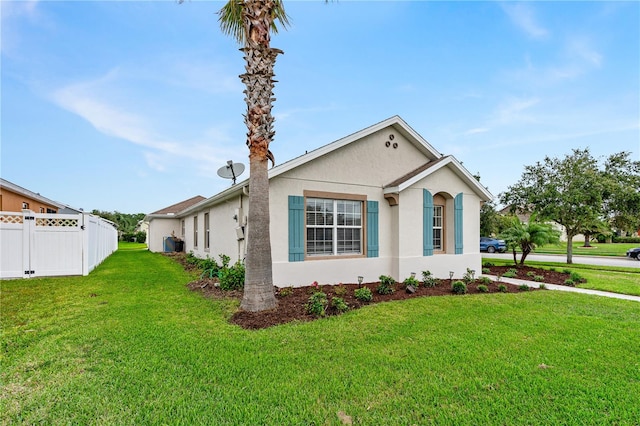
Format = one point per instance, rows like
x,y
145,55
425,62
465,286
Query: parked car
x,y
492,245
634,253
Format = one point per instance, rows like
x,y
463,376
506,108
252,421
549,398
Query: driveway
x,y
562,258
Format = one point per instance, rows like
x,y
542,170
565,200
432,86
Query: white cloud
x,y
523,16
476,130
91,101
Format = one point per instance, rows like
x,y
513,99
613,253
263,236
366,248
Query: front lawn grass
x,y
606,278
129,344
596,249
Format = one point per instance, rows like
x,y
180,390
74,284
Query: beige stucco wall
x,y
367,165
160,228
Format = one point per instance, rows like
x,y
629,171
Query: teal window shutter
x,y
372,229
427,223
296,228
457,223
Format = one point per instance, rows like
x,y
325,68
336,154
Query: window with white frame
x,y
195,231
437,227
206,230
182,228
334,227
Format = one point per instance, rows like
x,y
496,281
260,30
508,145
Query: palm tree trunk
x,y
260,59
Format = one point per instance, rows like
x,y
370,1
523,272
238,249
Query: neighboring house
x,y
381,201
525,217
164,223
14,198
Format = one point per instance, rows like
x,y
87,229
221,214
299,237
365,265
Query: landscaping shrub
x,y
340,290
485,280
232,278
523,287
502,288
569,282
576,277
411,281
511,273
483,288
469,276
486,270
386,285
538,278
317,304
530,274
339,304
428,279
285,291
488,264
459,287
363,294
542,286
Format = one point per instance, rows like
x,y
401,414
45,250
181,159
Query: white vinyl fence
x,y
45,245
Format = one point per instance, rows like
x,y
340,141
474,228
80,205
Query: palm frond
x,y
232,23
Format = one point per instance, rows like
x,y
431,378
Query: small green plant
x,y
486,270
530,274
386,285
363,294
339,304
511,273
428,279
469,276
340,290
502,288
488,264
459,287
566,271
411,281
542,286
485,280
232,277
523,287
483,288
285,291
538,278
569,282
317,304
576,277
552,269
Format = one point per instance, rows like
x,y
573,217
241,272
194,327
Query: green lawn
x,y
597,249
606,278
129,344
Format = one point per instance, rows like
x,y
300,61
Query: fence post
x,y
28,239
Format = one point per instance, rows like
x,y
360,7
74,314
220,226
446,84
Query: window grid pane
x,y
437,227
328,237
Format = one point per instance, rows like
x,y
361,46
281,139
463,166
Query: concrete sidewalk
x,y
565,288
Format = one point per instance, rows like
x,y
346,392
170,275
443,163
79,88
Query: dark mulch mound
x,y
550,277
291,307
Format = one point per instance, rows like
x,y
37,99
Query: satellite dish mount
x,y
231,171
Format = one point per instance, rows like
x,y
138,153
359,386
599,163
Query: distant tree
x,y
568,191
527,237
125,222
489,219
622,192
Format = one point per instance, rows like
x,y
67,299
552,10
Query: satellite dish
x,y
231,171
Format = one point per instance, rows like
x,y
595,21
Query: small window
x,y
195,231
41,209
25,205
206,231
437,227
182,227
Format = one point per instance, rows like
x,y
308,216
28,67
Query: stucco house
x,y
379,201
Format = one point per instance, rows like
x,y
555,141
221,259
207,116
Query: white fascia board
x,y
212,201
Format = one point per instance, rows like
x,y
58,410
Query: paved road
x,y
587,260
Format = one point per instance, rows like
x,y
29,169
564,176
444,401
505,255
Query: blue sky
x,y
133,106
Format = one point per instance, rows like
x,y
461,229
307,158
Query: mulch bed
x,y
291,306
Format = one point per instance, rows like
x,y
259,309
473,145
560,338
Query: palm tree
x,y
251,22
528,236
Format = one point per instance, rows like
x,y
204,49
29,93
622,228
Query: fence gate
x,y
40,244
